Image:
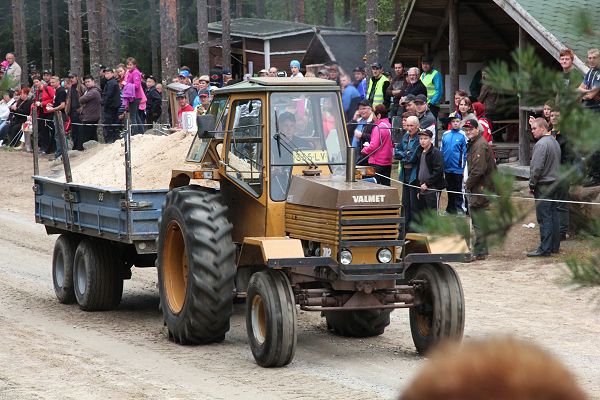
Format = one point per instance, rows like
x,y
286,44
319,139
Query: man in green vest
x,y
378,85
433,81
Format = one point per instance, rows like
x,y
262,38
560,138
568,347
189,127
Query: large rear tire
x,y
97,280
62,267
359,323
441,314
196,266
271,318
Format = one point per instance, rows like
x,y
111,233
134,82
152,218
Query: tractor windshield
x,y
305,129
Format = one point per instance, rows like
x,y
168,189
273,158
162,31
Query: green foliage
x,y
6,83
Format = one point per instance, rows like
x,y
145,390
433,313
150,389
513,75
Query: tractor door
x,y
244,187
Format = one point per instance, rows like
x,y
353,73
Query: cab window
x,y
244,158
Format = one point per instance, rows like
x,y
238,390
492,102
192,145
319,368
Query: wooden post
x,y
453,50
34,127
524,146
59,129
267,51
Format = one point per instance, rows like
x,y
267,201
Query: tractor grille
x,y
341,226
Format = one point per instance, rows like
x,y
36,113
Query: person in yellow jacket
x,y
378,85
433,81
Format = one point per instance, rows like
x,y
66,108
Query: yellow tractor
x,y
268,209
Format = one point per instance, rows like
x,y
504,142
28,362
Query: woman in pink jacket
x,y
380,148
133,94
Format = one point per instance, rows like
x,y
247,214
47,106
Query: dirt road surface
x,y
51,351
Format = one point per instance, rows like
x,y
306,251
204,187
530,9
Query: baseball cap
x,y
204,78
72,74
409,98
226,71
108,69
203,93
427,59
376,65
421,98
470,123
323,72
425,132
184,73
180,94
47,72
359,69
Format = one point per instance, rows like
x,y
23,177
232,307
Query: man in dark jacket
x,y
154,101
111,100
89,112
481,164
430,172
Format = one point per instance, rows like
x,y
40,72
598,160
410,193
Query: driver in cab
x,y
288,141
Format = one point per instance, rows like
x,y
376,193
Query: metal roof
x,y
269,84
264,29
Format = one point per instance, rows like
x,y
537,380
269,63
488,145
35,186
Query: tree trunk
x,y
347,14
94,36
226,34
212,10
110,32
260,8
329,10
300,15
45,34
355,22
56,38
20,38
203,60
75,34
371,25
154,40
238,9
168,39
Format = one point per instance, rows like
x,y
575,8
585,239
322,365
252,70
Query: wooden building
x,y
461,34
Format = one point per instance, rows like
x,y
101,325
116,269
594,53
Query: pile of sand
x,y
152,159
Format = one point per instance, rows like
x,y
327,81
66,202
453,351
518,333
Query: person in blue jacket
x,y
454,149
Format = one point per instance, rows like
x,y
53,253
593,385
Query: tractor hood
x,y
333,192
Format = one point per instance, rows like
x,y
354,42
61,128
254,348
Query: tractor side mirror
x,y
206,125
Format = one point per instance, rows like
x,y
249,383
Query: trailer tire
x,y
441,315
196,266
62,267
97,281
358,323
271,318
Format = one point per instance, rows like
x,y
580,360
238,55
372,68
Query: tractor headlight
x,y
345,257
384,255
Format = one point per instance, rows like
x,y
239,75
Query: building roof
x,y
270,84
264,29
482,28
346,48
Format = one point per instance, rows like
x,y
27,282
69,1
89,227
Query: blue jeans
x,y
134,117
548,218
58,139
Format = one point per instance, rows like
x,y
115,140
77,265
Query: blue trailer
x,y
103,232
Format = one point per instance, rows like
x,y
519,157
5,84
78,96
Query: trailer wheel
x,y
359,323
441,314
62,267
271,318
97,281
196,266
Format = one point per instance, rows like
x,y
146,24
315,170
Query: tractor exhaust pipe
x,y
350,164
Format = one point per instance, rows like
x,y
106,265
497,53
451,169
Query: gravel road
x,y
51,351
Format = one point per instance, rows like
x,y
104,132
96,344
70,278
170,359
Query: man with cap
x,y
323,74
454,149
432,79
295,68
201,102
227,77
263,73
47,74
426,118
481,164
377,88
111,101
430,172
360,81
184,106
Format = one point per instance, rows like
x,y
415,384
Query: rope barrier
x,y
81,123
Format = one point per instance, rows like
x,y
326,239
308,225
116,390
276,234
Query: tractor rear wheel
x,y
360,323
271,318
196,266
441,315
97,280
62,267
